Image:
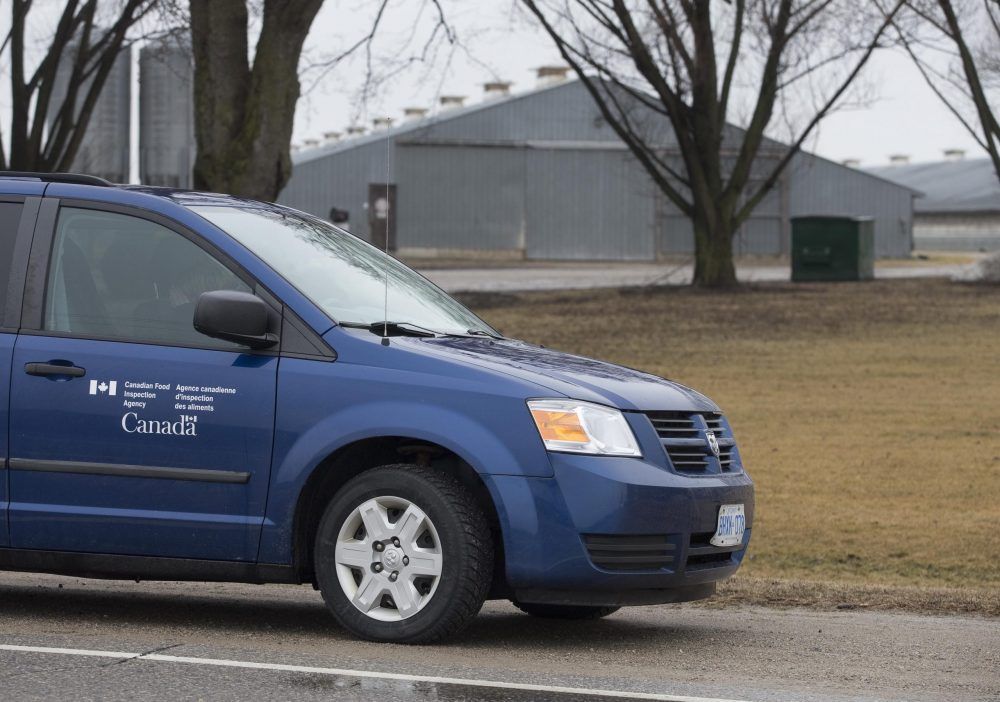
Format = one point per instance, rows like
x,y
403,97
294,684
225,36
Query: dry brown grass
x,y
781,593
867,413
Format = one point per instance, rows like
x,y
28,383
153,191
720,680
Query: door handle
x,y
54,369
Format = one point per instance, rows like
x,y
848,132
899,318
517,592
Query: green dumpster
x,y
833,248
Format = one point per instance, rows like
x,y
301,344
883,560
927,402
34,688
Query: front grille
x,y
689,459
702,554
630,552
709,560
726,457
674,425
714,422
685,439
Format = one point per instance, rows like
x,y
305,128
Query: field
x,y
868,414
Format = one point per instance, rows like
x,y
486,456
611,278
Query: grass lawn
x,y
868,414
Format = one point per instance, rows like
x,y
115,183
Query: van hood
x,y
573,376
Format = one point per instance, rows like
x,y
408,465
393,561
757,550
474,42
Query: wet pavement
x,y
178,641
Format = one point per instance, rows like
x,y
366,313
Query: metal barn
x,y
540,175
960,208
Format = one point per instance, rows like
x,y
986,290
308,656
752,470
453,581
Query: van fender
x,y
472,441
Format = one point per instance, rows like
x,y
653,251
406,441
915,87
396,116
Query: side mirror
x,y
234,316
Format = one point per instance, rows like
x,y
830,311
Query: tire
x,y
552,611
442,559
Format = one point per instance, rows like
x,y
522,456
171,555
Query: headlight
x,y
582,427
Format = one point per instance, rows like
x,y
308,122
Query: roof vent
x,y
355,130
899,159
496,89
851,162
310,143
551,75
380,124
331,137
412,114
296,148
954,154
449,102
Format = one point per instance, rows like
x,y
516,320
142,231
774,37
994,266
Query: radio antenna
x,y
388,222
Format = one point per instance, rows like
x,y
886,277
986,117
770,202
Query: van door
x,y
131,433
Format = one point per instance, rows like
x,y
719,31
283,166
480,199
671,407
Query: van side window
x,y
114,276
10,217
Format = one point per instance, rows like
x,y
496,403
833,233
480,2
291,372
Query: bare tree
x,y
87,40
244,111
245,108
956,47
666,74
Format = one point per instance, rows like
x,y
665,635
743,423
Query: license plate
x,y
732,522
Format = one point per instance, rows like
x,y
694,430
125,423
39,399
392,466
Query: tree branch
x,y
769,182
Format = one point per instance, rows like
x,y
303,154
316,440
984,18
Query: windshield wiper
x,y
411,329
482,332
392,328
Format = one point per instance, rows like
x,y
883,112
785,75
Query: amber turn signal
x,y
559,426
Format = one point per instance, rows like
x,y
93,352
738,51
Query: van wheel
x,y
551,611
403,554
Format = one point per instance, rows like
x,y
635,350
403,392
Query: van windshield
x,y
345,276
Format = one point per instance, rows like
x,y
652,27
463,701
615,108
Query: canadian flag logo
x,y
102,387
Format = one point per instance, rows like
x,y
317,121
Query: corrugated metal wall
x,y
820,187
519,198
543,175
588,204
341,180
957,231
460,197
765,233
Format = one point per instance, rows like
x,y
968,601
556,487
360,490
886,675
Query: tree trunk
x,y
713,244
221,84
244,115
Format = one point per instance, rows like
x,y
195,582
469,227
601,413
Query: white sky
x,y
904,117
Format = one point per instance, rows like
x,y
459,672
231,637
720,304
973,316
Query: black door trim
x,y
19,262
110,566
202,475
38,265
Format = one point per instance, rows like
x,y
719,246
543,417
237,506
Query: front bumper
x,y
545,522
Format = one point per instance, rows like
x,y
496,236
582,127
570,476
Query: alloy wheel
x,y
388,558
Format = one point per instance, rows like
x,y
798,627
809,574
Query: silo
x,y
104,150
166,113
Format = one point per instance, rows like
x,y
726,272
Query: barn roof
x,y
948,186
420,128
417,124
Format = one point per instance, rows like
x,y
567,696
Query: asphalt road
x,y
618,275
209,641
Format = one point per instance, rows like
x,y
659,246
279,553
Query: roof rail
x,y
77,178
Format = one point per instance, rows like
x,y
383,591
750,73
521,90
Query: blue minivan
x,y
209,388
